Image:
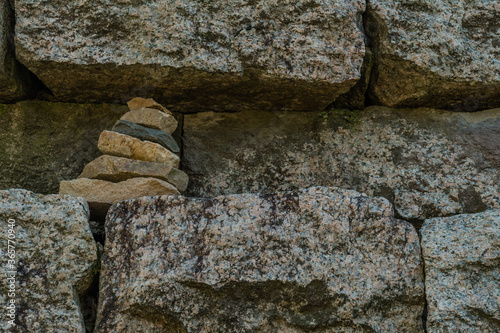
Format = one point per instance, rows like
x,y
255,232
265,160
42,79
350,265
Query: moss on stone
x,y
44,142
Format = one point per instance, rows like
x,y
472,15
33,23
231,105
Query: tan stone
x,y
117,169
101,194
139,103
116,144
152,118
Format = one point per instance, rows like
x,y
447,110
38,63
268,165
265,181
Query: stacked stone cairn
x,y
140,160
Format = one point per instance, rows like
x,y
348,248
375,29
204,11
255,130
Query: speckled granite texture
x,y
320,259
194,55
56,261
443,53
427,162
462,272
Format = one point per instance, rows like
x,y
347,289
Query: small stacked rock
x,y
140,160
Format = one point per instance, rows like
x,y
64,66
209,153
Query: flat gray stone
x,y
462,272
144,133
195,55
315,260
56,261
427,162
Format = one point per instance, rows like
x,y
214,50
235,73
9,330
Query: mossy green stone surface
x,y
426,162
42,143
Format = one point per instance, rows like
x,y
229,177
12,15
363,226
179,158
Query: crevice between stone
x,y
358,97
34,87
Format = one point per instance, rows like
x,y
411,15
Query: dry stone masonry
x,y
238,55
342,164
134,165
195,55
315,260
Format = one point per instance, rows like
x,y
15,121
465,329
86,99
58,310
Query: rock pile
x,y
140,160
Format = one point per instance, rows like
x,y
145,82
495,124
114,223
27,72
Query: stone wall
x,y
300,55
343,160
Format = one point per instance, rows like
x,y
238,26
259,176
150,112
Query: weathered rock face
x,y
15,81
427,162
42,143
442,54
56,261
320,259
462,255
194,55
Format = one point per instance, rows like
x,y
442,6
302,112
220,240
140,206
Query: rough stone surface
x,y
116,169
443,54
148,103
101,194
144,133
121,145
427,162
195,55
15,81
152,118
316,260
42,143
56,261
462,270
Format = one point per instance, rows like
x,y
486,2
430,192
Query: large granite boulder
x,y
462,272
427,162
194,55
44,143
16,82
320,259
442,54
55,261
